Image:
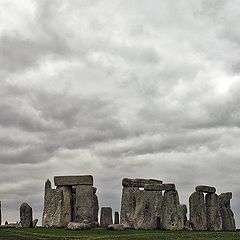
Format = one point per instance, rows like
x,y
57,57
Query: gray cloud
x,y
118,89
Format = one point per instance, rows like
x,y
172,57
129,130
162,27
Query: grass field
x,y
50,234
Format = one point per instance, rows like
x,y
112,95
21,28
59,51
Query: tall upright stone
x,y
26,215
228,221
173,214
198,211
95,205
214,219
66,208
84,203
116,218
53,202
106,217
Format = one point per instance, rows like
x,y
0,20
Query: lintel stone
x,y
139,182
205,189
73,180
160,187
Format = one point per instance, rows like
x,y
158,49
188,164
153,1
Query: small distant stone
x,y
205,189
78,226
34,223
116,227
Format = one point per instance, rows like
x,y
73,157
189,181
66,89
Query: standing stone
x,y
53,202
214,219
0,213
66,210
26,215
84,203
116,218
228,221
173,214
197,211
106,217
95,205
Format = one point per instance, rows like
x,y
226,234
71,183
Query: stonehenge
x,y
106,217
73,200
211,212
145,207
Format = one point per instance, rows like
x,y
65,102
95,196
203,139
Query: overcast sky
x,y
118,89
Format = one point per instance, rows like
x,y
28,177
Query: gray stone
x,y
26,215
139,182
228,221
116,218
66,206
94,224
214,219
141,209
53,202
173,214
34,222
106,217
73,180
197,211
78,226
0,213
116,227
95,206
205,189
160,187
84,203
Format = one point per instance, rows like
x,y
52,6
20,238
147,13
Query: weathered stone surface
x,y
94,224
116,218
53,202
160,187
73,180
26,215
78,226
66,209
173,214
214,219
139,182
106,217
228,221
116,227
84,203
95,207
34,222
205,189
197,211
141,209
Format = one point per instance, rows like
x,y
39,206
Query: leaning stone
x,y
78,226
214,219
197,211
34,223
116,227
106,217
139,182
73,180
160,187
26,215
84,203
205,189
116,218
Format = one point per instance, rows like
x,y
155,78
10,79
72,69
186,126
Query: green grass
x,y
103,234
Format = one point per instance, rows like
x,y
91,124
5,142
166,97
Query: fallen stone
x,y
73,180
106,217
197,211
26,215
139,182
94,224
214,219
205,189
34,223
116,218
78,226
116,227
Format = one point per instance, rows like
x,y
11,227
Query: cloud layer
x,y
118,89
